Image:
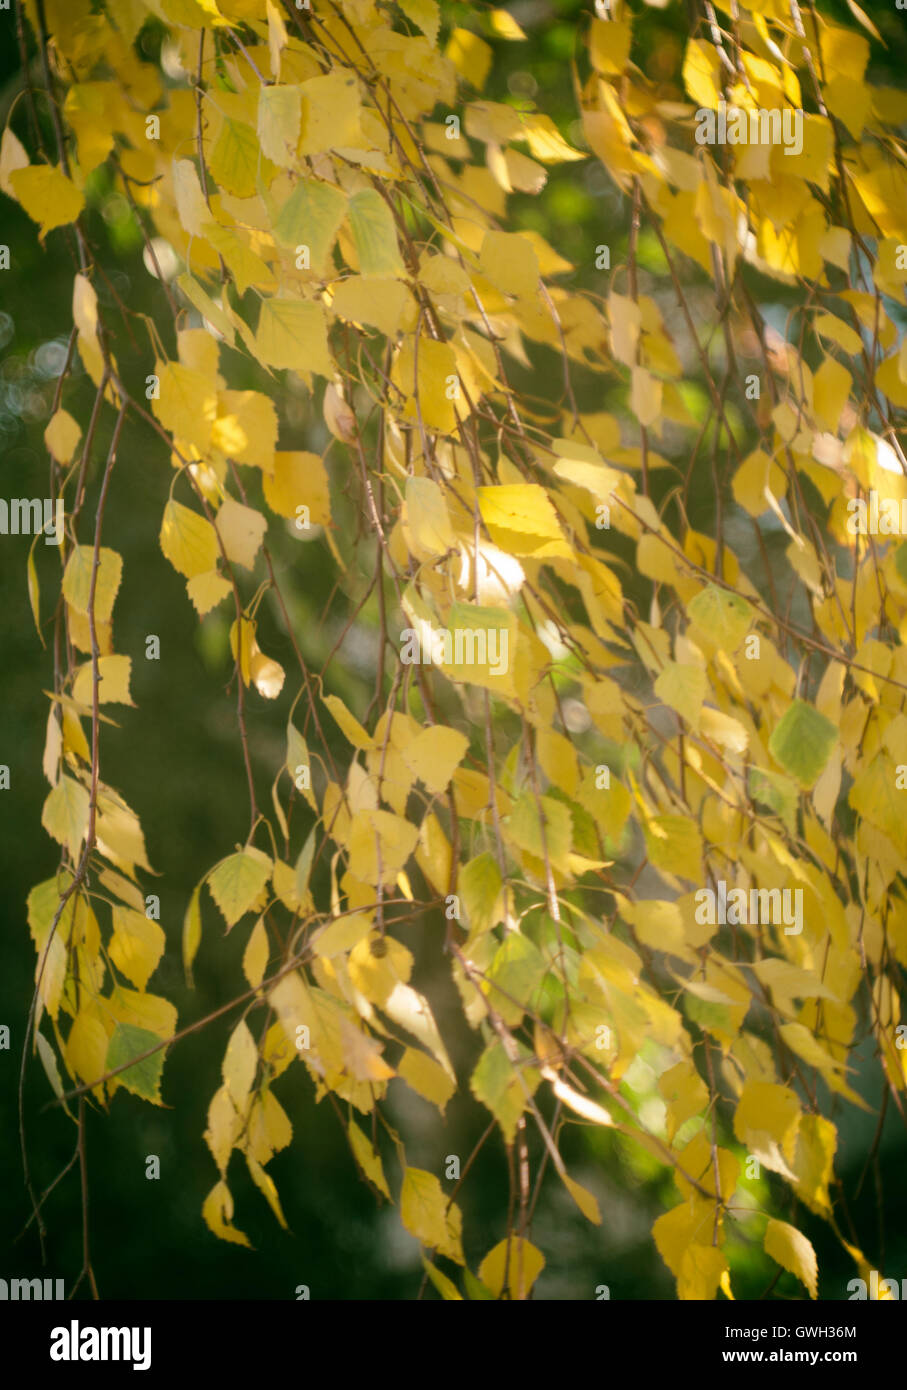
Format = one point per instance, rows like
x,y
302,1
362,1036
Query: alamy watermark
x,y
879,1289
464,646
24,1290
737,907
881,516
29,516
735,125
75,1343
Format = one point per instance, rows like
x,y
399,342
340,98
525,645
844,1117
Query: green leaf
x,y
477,1291
374,234
143,1079
496,1083
513,977
238,881
900,561
802,742
479,886
777,791
311,217
524,828
51,1070
192,933
722,616
682,687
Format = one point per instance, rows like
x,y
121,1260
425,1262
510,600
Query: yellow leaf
x,y
234,159
12,156
136,946
521,519
504,25
191,207
766,1121
269,1128
683,687
119,833
514,1265
47,195
609,45
84,306
702,1267
425,372
279,116
674,844
77,580
240,1065
546,142
583,1199
241,530
86,1047
65,814
425,1213
265,1184
685,1093
470,55
557,757
412,1011
434,754
723,729
188,540
426,521
207,590
425,14
330,113
238,882
793,1252
255,956
372,300
140,1010
277,42
575,1100
299,481
62,436
368,1159
757,473
625,318
349,725
187,406
379,845
218,1213
831,388
246,428
508,260
113,685
700,73
655,559
426,1077
362,1058
267,675
293,333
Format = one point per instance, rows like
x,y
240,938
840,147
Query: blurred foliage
x,y
148,1241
